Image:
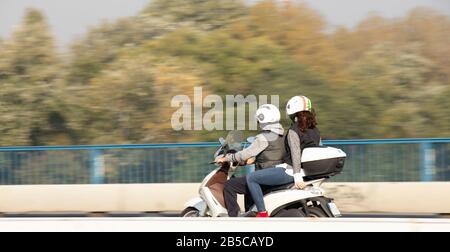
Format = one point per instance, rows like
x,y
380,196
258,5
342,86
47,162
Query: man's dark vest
x,y
274,154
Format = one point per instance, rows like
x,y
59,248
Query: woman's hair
x,y
306,120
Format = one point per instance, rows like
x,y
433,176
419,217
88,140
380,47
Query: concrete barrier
x,y
95,198
401,197
404,197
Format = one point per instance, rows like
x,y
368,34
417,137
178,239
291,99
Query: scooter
x,y
318,165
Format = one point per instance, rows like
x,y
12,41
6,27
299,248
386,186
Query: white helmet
x,y
267,113
297,104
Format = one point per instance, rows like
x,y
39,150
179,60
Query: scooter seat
x,y
269,189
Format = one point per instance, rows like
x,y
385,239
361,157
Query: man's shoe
x,y
248,214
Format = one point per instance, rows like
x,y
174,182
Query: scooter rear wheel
x,y
316,212
190,212
293,212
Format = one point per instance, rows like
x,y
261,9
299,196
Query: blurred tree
x,y
396,62
421,26
396,80
29,80
118,82
101,46
130,100
371,31
299,29
232,64
436,111
432,31
251,65
205,14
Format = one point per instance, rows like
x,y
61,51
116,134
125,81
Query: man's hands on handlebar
x,y
250,161
299,183
222,159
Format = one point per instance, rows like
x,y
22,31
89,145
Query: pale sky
x,y
70,19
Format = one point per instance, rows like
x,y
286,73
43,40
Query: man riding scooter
x,y
267,150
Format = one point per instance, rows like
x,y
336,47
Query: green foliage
x,y
397,80
205,14
30,82
385,78
102,45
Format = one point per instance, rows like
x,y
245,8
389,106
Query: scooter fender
x,y
275,200
196,203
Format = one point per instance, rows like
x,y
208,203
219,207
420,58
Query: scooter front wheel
x,y
190,212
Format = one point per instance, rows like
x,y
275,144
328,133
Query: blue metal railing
x,y
110,146
368,160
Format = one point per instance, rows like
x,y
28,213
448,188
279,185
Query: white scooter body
x,y
207,205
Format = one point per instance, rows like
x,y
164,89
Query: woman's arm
x,y
296,152
296,156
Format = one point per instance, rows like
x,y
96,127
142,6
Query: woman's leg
x,y
269,176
